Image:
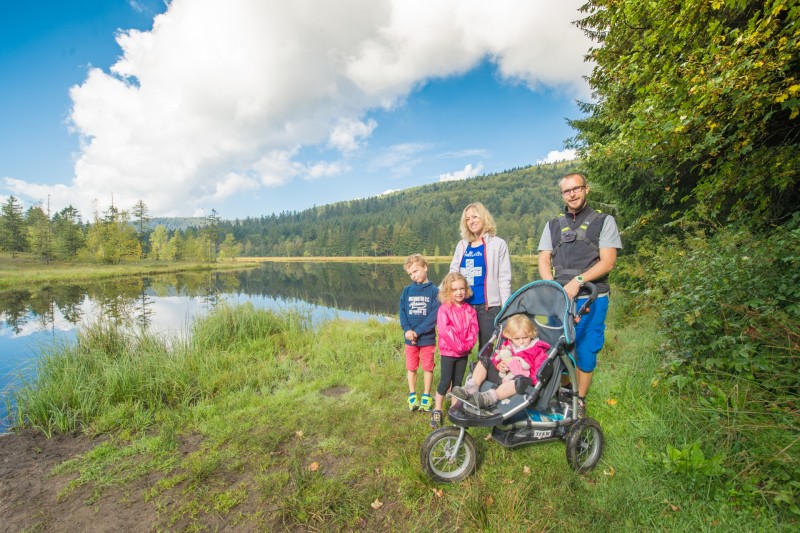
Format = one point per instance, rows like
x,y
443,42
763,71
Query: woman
x,y
482,257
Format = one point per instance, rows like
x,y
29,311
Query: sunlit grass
x,y
274,423
27,271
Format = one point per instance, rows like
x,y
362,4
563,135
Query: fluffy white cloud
x,y
555,156
468,172
220,98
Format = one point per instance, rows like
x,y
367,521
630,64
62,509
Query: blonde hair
x,y
574,175
519,324
489,227
412,259
446,288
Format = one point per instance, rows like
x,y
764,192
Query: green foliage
x,y
39,233
728,302
728,306
112,238
68,236
520,200
696,109
12,227
690,462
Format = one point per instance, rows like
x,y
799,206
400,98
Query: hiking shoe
x,y
436,419
484,399
425,405
461,393
413,402
581,407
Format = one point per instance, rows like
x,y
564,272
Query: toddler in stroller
x,y
538,409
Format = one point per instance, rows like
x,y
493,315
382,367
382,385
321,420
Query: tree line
x,y
418,220
110,238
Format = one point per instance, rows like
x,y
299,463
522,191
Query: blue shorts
x,y
590,333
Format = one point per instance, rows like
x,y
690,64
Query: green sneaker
x,y
413,402
426,403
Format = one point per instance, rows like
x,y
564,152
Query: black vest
x,y
576,245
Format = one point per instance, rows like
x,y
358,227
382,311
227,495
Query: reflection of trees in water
x,y
14,308
364,287
143,311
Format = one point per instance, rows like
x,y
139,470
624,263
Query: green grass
x,y
265,422
25,270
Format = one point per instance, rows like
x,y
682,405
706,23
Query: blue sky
x,y
251,107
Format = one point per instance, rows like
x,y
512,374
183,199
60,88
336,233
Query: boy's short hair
x,y
445,289
412,259
518,323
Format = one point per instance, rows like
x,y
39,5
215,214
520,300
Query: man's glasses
x,y
574,190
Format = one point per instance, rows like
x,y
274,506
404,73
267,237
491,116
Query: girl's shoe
x,y
426,403
461,393
413,402
436,418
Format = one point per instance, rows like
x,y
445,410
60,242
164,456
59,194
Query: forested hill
x,y
421,219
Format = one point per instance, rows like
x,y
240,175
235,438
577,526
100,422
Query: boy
x,y
418,307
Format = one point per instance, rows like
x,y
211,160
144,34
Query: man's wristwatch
x,y
580,279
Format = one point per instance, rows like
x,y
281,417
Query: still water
x,y
34,320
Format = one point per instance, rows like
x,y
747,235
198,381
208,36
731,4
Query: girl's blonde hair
x,y
446,289
518,324
489,227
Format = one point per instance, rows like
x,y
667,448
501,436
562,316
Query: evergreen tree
x,y
12,227
38,232
68,237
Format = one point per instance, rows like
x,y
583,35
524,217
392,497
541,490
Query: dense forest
x,y
422,219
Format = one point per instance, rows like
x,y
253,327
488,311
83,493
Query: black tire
x,y
436,450
584,445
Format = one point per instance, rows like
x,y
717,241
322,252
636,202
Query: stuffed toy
x,y
516,365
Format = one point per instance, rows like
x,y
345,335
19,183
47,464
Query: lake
x,y
31,320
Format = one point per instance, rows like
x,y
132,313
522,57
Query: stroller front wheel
x,y
443,459
584,445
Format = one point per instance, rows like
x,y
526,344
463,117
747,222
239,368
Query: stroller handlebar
x,y
592,297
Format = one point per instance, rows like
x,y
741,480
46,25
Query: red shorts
x,y
416,353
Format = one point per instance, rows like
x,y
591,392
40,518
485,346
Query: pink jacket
x,y
534,356
458,329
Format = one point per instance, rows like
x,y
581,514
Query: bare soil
x,y
31,496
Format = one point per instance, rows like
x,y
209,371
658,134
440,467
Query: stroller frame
x,y
539,413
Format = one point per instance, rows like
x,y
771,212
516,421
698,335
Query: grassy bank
x,y
263,422
26,271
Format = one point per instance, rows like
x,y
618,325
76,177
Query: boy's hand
x,y
411,336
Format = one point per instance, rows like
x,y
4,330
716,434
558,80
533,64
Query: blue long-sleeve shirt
x,y
418,307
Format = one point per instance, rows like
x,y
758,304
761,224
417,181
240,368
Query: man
x,y
580,246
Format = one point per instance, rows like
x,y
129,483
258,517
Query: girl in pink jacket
x,y
457,325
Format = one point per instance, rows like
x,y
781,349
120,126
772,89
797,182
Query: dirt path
x,y
29,494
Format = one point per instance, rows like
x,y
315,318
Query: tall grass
x,y
261,421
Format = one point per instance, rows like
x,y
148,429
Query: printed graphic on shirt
x,y
470,271
418,305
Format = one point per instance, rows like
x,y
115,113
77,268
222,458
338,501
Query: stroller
x,y
543,412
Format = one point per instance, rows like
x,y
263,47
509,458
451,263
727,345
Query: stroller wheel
x,y
442,461
584,445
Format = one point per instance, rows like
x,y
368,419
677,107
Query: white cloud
x,y
346,136
221,98
468,172
556,156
